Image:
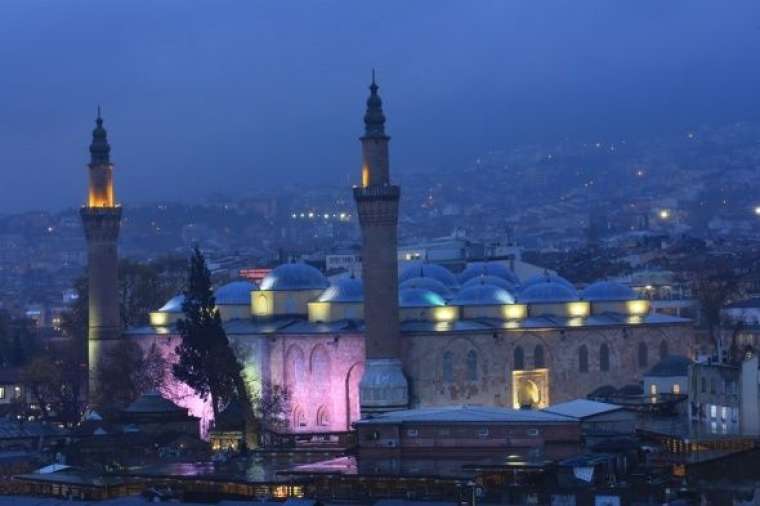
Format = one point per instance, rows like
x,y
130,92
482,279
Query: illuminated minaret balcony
x,y
100,190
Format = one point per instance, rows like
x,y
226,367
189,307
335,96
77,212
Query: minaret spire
x,y
100,150
374,118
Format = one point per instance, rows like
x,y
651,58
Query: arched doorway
x,y
528,394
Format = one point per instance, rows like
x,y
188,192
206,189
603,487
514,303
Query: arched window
x,y
299,419
604,357
643,355
323,417
295,368
320,364
472,366
663,349
583,359
538,357
448,367
519,359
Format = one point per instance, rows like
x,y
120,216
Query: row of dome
x,y
425,285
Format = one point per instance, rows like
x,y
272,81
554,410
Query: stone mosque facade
x,y
424,336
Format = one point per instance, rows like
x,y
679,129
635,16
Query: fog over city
x,y
202,97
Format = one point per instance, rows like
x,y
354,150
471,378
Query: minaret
x,y
101,218
383,386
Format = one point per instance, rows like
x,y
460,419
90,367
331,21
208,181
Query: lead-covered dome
x,y
417,297
547,291
547,278
482,295
344,290
497,269
173,305
296,276
426,270
427,283
608,290
235,293
491,280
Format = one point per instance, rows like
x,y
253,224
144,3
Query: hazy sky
x,y
202,96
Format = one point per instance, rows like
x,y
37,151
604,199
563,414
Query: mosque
x,y
424,336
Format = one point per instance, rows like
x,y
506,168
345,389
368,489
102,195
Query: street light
x,y
664,214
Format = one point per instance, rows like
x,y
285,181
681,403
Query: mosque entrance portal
x,y
530,389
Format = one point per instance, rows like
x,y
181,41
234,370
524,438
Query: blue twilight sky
x,y
204,96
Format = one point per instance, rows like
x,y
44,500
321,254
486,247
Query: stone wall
x,y
424,356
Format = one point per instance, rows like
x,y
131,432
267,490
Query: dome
x,y
237,293
297,276
547,278
496,269
426,270
608,290
173,305
548,291
482,295
344,290
670,366
427,283
417,297
485,279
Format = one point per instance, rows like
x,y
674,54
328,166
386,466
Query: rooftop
x,y
465,414
581,408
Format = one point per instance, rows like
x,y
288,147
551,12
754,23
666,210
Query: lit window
x,y
676,388
2,392
652,389
723,413
713,411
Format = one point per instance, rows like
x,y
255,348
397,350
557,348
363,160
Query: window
x,y
723,413
519,359
444,432
704,385
412,432
538,357
2,392
299,419
583,359
676,388
323,417
663,349
17,392
713,411
448,367
643,355
652,389
483,432
713,386
604,357
532,432
472,366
